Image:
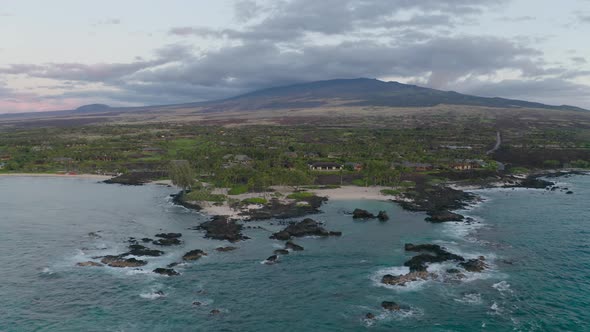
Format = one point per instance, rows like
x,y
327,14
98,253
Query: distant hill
x,y
92,108
362,92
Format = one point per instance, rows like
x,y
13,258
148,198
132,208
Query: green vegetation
x,y
204,195
182,174
390,192
254,158
519,170
301,195
255,200
238,190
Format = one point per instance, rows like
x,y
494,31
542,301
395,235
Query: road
x,y
498,143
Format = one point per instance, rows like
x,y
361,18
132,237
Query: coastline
x,y
342,193
48,175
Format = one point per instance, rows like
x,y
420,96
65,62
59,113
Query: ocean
x,y
536,243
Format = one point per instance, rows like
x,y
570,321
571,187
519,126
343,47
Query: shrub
x,y
390,192
255,200
358,182
238,190
204,196
300,195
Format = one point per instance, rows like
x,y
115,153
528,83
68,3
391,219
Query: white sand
x,y
354,193
342,193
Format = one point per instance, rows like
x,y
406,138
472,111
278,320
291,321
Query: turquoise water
x,y
535,241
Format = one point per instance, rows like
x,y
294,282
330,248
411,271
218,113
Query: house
x,y
325,166
467,164
5,157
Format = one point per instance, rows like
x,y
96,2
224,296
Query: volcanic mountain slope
x,y
358,102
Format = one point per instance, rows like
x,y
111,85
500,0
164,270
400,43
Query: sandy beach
x,y
343,193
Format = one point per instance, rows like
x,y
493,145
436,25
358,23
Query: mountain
x,y
362,92
93,108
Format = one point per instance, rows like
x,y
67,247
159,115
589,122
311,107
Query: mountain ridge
x,y
370,92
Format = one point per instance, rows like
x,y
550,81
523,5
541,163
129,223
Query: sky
x,y
60,54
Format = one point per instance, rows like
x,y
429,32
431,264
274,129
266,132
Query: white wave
x,y
470,298
46,270
152,295
502,286
397,270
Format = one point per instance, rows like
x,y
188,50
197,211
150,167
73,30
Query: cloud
x,y
282,42
108,21
550,91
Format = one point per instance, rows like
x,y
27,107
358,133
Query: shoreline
x,y
343,193
56,175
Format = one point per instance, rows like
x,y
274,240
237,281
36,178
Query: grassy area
x,y
205,196
255,200
238,190
300,195
390,192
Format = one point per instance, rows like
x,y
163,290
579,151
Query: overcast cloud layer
x,y
131,55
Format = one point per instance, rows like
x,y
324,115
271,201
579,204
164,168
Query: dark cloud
x,y
284,42
579,60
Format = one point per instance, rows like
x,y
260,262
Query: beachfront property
x,y
325,166
467,164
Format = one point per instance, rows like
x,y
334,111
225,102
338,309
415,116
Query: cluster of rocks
x,y
137,178
389,306
437,201
138,250
307,227
222,228
364,215
277,209
431,253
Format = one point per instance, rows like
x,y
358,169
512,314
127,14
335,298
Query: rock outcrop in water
x,y
139,250
221,228
169,235
383,216
362,214
167,242
307,227
430,253
275,209
402,280
89,263
444,216
166,272
272,260
193,255
474,265
391,306
293,246
120,261
225,249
